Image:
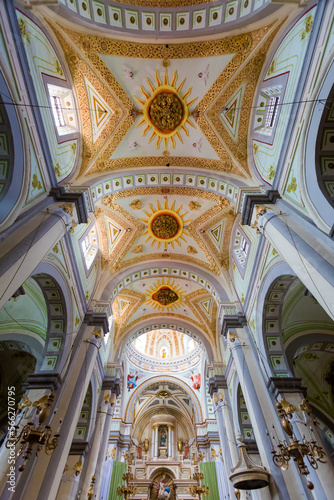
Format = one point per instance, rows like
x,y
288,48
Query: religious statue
x,y
163,439
186,450
164,490
140,451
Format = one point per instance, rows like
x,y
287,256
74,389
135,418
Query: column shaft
x,y
95,449
68,406
26,248
263,416
103,449
304,253
156,441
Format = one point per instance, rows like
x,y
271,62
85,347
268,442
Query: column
x,y
223,442
68,407
304,250
98,447
153,442
172,443
156,441
27,245
323,477
169,441
103,448
263,415
69,483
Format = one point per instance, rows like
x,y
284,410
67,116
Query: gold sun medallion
x,y
165,225
164,296
166,111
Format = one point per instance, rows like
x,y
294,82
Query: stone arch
x,y
298,339
12,158
316,159
161,470
129,410
187,272
84,425
272,326
161,322
57,296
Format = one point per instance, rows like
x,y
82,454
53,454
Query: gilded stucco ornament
x,y
166,110
138,249
191,250
97,156
165,225
163,295
136,204
194,205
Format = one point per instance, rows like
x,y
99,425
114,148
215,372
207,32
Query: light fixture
x,y
199,489
126,489
295,449
35,434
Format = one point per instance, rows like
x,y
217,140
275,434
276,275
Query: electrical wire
x,y
13,103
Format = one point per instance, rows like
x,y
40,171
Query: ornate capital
x,y
59,194
43,381
216,383
252,199
233,321
112,384
98,319
281,385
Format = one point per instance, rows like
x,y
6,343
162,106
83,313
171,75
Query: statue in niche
x,y
186,450
164,490
140,451
163,439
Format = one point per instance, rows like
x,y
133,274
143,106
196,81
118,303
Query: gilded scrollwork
x,y
223,89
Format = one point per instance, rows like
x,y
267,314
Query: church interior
x,y
166,249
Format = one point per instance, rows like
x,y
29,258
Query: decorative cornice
x,y
280,385
60,195
97,319
233,321
269,198
217,382
79,447
112,384
50,381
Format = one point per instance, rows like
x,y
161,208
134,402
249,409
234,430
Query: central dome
x,y
166,111
165,344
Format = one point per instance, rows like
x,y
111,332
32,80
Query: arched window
x,y
89,247
62,105
164,352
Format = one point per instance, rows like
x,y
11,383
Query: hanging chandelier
x,y
199,489
297,449
34,434
126,489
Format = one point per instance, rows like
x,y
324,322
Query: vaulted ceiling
x,y
164,129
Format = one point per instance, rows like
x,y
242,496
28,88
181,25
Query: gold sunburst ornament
x,y
165,296
166,110
165,225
